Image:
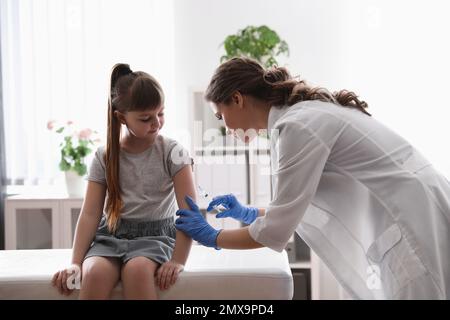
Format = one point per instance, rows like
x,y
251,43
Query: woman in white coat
x,y
367,202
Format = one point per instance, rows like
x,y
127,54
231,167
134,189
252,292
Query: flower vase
x,y
75,184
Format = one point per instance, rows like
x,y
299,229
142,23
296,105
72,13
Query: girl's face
x,y
143,124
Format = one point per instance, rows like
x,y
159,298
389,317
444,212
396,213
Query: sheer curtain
x,y
2,165
57,56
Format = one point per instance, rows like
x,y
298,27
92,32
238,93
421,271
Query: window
x,y
57,57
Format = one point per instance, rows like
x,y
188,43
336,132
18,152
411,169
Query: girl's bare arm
x,y
184,186
91,213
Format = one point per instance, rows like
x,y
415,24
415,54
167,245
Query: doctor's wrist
x,y
215,235
208,236
251,213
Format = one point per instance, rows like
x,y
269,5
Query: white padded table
x,y
208,274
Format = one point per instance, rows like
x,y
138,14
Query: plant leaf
x,y
260,43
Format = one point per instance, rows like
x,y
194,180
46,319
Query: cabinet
x,y
40,222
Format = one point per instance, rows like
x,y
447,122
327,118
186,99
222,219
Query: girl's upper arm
x,y
94,199
183,182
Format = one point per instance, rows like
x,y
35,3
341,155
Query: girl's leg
x,y
138,279
98,277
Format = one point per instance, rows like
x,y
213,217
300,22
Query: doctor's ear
x,y
237,99
120,116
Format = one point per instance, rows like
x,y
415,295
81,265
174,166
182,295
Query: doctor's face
x,y
238,119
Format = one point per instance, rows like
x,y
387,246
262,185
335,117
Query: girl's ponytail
x,y
114,202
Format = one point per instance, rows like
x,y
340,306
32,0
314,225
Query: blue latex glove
x,y
235,209
194,224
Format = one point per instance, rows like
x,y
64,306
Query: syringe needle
x,y
218,208
203,193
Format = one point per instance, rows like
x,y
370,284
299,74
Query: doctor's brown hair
x,y
129,91
274,85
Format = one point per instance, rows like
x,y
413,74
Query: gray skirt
x,y
154,240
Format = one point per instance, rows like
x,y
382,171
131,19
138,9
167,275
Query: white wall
x,y
392,53
397,58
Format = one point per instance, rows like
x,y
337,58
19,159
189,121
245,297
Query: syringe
x,y
217,208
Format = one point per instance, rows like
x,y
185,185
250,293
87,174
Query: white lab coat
x,y
370,206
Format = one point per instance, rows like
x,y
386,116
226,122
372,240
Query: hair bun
x,y
276,74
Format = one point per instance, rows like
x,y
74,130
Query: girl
x,y
134,182
364,199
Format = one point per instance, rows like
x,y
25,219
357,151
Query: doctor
x,y
370,205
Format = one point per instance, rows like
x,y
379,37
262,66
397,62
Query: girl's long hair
x,y
274,85
129,91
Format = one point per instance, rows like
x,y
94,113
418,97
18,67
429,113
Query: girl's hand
x,y
67,279
167,274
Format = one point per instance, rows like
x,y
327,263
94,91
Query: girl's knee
x,y
139,266
98,269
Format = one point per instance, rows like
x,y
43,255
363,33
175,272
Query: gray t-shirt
x,y
145,178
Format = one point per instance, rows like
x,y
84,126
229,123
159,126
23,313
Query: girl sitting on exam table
x,y
126,227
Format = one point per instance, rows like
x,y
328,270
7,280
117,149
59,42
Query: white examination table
x,y
209,274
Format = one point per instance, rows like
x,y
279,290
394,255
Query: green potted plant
x,y
260,43
74,148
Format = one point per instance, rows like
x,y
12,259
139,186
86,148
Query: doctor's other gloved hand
x,y
194,224
235,209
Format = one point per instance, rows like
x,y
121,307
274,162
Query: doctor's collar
x,y
275,113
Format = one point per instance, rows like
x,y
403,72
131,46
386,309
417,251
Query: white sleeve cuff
x,y
256,230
